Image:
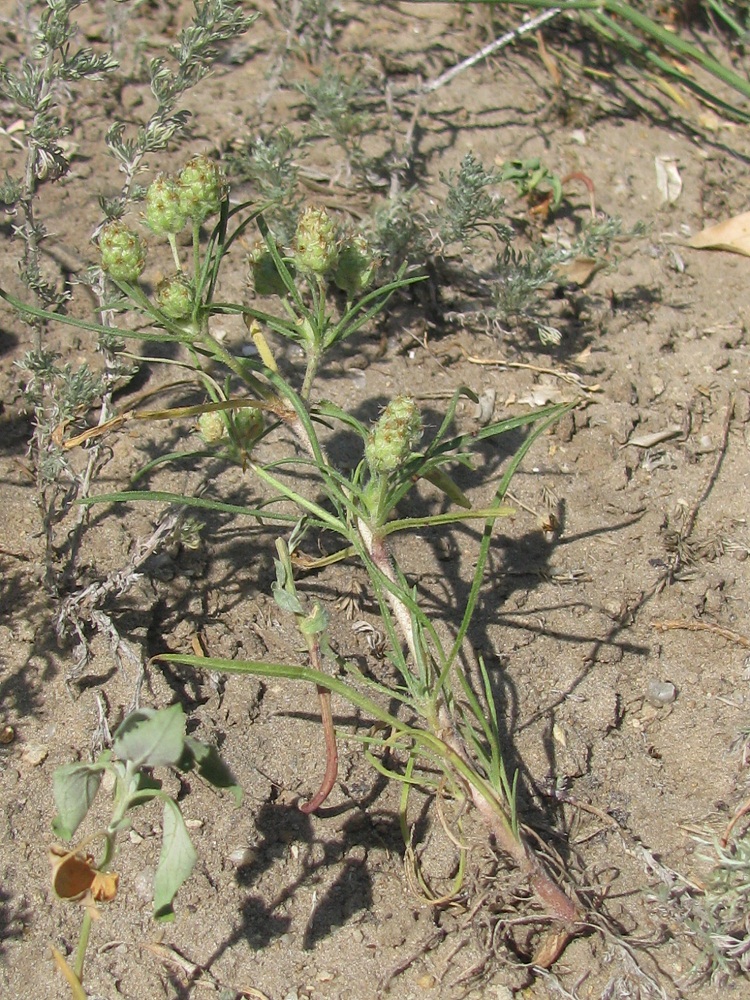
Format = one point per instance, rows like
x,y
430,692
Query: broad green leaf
x,y
176,861
316,622
151,739
74,787
287,601
210,766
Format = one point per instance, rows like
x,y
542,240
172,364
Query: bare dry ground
x,y
643,584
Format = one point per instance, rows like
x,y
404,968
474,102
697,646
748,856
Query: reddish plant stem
x,y
332,754
556,902
587,183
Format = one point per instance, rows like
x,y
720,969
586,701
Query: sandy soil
x,y
576,626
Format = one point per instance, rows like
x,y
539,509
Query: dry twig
x,y
692,625
499,43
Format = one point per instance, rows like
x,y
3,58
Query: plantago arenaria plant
x,y
446,731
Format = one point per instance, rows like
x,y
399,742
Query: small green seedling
x,y
534,182
146,739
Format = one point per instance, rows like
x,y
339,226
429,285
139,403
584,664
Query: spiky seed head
x,y
315,243
175,296
203,187
164,214
123,252
394,437
212,427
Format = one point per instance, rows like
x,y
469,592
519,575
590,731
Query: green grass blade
x,y
161,496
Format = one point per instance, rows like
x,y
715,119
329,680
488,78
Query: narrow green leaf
x,y
126,496
74,787
176,861
151,739
446,485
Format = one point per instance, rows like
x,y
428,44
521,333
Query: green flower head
x,y
164,213
212,427
175,296
315,243
203,186
123,252
394,437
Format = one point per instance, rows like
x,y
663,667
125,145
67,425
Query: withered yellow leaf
x,y
104,886
731,234
77,991
578,270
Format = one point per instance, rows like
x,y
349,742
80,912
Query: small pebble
x,y
144,884
660,693
7,735
426,982
35,754
243,856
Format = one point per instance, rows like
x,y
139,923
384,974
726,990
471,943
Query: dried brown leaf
x,y
731,234
74,875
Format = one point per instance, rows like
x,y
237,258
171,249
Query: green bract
x,y
123,252
265,274
248,424
355,268
164,212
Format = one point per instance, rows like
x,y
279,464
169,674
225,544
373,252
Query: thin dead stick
x,y
687,528
689,523
696,626
570,377
742,811
488,50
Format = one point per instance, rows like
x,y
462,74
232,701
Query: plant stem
x,y
83,941
380,554
332,756
313,362
175,254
